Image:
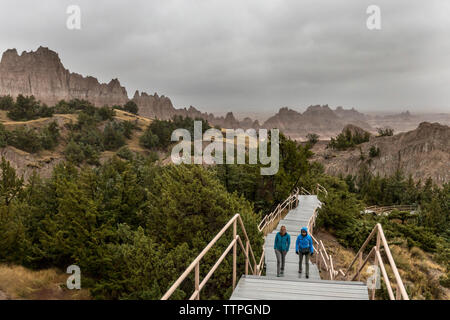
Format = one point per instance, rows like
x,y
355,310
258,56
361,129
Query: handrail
x,y
324,260
304,191
195,265
375,251
320,188
270,221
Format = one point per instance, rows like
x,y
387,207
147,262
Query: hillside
x,y
422,153
43,161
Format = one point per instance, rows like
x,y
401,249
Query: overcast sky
x,y
250,56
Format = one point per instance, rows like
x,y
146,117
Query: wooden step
x,y
269,288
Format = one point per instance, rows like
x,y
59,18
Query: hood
x,y
305,229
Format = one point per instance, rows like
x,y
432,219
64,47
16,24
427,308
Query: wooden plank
x,y
351,283
304,290
283,296
304,284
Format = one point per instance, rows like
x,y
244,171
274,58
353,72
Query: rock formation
x,y
317,119
42,74
421,153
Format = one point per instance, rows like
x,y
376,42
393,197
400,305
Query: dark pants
x,y
281,255
300,255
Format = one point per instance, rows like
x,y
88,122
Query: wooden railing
x,y
320,189
378,261
255,268
304,191
386,209
270,221
324,261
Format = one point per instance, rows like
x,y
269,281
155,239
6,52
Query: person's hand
x,y
312,254
296,252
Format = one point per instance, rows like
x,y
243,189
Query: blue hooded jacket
x,y
282,243
304,242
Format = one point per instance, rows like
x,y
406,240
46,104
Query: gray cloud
x,y
250,56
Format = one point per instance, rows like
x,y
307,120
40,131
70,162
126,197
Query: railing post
x,y
331,268
234,253
398,294
197,280
319,252
377,248
246,257
360,261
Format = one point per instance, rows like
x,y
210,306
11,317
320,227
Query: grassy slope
x,y
44,160
20,283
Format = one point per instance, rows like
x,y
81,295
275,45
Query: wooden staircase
x,y
292,285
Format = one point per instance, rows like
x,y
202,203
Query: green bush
x,y
74,152
3,136
113,137
106,113
385,132
25,139
131,107
313,138
347,139
374,152
149,140
6,102
28,108
159,132
49,136
125,153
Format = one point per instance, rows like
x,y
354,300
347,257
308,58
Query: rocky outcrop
x,y
42,74
355,130
421,153
321,120
154,106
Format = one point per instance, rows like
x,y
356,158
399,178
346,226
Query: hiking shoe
x,y
299,271
307,276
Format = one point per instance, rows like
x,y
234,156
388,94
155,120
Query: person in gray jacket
x,y
281,246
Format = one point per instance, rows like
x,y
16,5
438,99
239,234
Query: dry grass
x,y
342,257
17,282
420,274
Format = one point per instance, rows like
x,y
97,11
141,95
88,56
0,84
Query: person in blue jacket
x,y
304,247
281,246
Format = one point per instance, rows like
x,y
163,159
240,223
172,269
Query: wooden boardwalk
x,y
292,285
